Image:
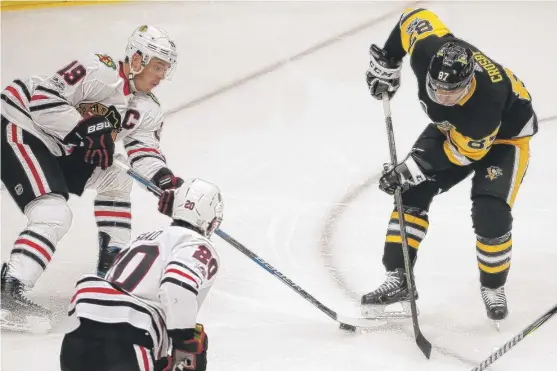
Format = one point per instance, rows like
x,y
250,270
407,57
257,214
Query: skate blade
x,y
373,311
29,324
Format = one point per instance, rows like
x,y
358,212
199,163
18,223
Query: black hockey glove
x,y
383,74
189,349
167,182
166,201
405,175
165,179
94,135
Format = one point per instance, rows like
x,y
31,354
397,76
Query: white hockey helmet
x,y
199,203
149,42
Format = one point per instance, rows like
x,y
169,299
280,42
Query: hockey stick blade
x,y
423,344
359,322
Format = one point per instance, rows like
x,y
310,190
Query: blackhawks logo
x,y
108,61
98,109
494,172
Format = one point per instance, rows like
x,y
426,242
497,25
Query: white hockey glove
x,y
383,74
405,175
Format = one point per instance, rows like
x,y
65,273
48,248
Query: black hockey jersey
x,y
497,109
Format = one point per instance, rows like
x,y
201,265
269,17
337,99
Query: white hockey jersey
x,y
141,131
157,283
50,107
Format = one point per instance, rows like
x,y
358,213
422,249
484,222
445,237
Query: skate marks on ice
x,y
401,326
59,322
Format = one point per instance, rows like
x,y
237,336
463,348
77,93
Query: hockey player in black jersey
x,y
481,122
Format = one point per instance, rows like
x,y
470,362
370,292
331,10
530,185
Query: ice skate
x,y
107,255
19,313
495,304
377,304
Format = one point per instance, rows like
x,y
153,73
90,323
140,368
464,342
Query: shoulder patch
x,y
106,60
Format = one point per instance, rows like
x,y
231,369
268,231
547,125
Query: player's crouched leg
x,y
95,346
492,224
49,219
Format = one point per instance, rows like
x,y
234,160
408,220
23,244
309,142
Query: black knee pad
x,y
491,217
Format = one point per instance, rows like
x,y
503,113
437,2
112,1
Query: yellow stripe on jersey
x,y
521,164
462,150
418,24
518,86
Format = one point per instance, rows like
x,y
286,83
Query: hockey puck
x,y
347,327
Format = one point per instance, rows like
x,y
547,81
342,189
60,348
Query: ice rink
x,y
269,101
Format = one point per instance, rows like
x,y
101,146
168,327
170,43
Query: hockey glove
x,y
166,200
165,179
405,175
189,349
383,74
94,135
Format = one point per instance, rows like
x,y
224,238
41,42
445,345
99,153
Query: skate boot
x,y
107,254
19,313
393,290
495,303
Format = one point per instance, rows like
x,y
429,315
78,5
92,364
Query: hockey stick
x,y
515,340
421,341
346,323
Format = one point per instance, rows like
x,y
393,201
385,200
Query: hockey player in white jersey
x,y
57,138
148,303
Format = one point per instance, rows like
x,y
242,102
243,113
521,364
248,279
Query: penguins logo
x,y
494,172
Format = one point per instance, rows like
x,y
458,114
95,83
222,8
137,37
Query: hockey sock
x,y
494,259
416,224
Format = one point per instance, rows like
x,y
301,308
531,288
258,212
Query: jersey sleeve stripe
x,y
9,101
132,143
13,91
143,149
48,106
38,97
409,13
180,273
185,267
51,92
179,283
23,89
141,157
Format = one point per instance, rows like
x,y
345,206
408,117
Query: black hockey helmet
x,y
450,73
